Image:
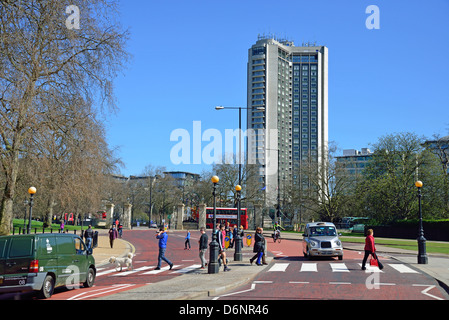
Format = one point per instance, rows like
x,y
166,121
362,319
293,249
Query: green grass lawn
x,y
18,223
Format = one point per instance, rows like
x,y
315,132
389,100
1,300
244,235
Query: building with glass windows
x,y
287,109
353,161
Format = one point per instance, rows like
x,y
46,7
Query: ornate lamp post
x,y
31,191
422,256
213,254
238,239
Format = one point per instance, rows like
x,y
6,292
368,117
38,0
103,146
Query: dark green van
x,y
41,262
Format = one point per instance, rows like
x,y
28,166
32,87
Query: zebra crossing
x,y
144,270
340,267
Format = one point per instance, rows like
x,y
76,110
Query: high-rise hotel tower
x,y
287,109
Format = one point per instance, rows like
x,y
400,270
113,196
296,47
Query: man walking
x,y
203,247
162,236
89,235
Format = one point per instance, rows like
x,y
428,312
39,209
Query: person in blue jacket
x,y
162,236
187,240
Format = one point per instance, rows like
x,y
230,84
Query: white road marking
x,y
402,268
188,269
279,267
339,267
425,291
161,270
309,267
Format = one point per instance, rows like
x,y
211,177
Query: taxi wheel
x,y
47,288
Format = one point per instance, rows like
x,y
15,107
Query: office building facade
x,y
287,102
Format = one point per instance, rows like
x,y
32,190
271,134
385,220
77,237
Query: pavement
x,y
198,284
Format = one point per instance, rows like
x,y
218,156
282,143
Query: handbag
x,y
373,262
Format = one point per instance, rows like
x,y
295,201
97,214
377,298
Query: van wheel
x,y
90,278
340,257
47,288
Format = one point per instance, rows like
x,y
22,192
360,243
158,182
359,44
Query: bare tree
x,y
323,189
41,62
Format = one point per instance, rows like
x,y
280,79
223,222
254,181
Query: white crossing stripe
x,y
188,269
279,267
339,267
402,268
370,269
308,267
105,272
161,270
122,274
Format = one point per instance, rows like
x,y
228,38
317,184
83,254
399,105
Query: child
x,y
187,240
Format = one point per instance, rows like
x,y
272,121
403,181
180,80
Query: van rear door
x,y
18,260
3,243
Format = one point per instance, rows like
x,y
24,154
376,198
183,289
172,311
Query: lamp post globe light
x,y
212,267
422,255
32,191
238,241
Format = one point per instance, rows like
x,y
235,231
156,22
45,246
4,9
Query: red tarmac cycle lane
x,y
109,281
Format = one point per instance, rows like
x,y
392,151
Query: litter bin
x,y
95,240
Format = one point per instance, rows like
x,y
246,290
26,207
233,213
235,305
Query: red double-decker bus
x,y
224,215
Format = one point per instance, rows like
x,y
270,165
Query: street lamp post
x,y
213,254
422,256
31,191
278,210
236,255
238,238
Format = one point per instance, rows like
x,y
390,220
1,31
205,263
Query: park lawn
x,y
38,224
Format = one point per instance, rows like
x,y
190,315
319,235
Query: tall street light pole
x,y
31,191
422,255
238,239
278,211
213,254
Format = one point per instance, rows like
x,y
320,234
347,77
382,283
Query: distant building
x,y
354,161
184,179
287,99
440,148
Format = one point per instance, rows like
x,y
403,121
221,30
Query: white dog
x,y
121,262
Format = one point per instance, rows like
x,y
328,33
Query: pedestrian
x,y
203,247
120,230
221,246
61,227
187,240
231,237
89,235
113,234
259,248
162,236
370,249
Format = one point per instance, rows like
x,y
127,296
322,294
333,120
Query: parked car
x,y
41,262
321,239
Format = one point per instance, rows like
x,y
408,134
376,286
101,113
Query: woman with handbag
x,y
370,249
259,248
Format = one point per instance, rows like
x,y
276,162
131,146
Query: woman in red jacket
x,y
370,249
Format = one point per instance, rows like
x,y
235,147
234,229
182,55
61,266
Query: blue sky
x,y
191,55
